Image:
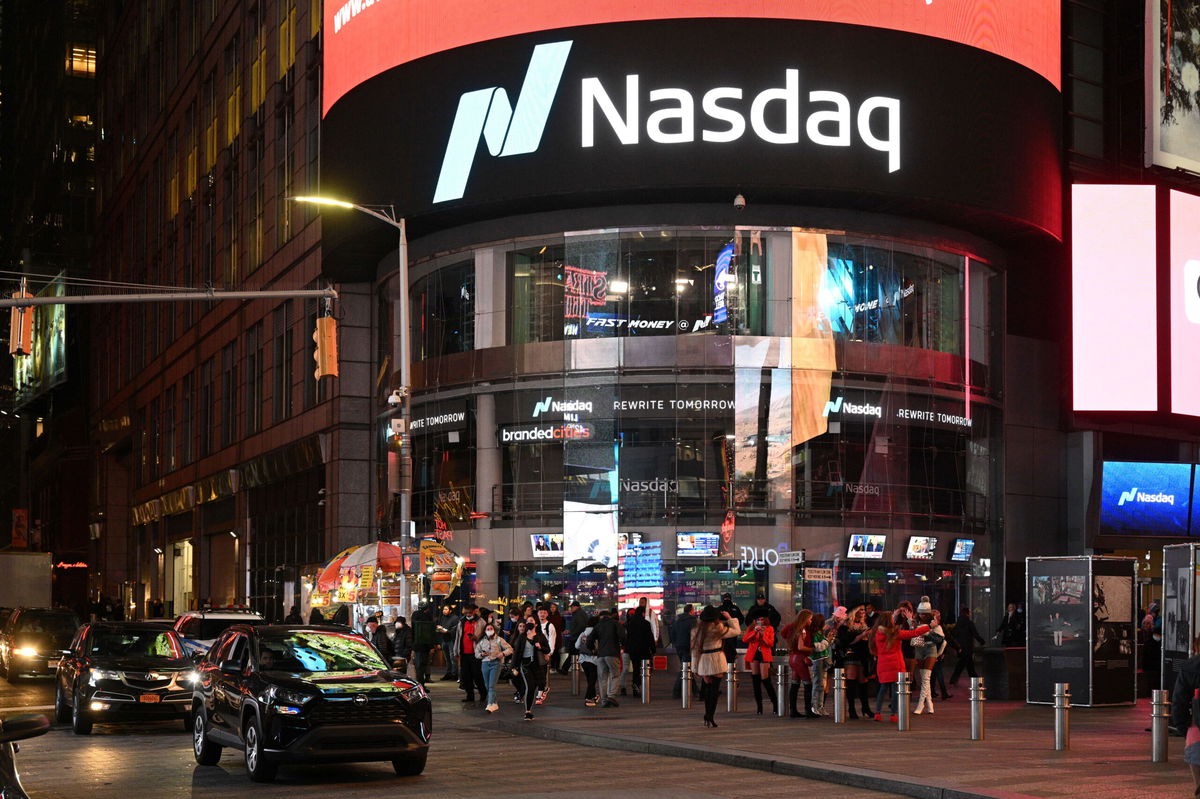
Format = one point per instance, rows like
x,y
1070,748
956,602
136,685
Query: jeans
x,y
471,675
491,672
887,689
610,669
819,668
451,666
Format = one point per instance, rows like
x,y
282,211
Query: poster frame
x,y
1189,599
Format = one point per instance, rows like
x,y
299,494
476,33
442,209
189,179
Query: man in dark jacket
x,y
681,639
641,645
609,636
763,608
964,636
579,623
470,669
378,636
1187,682
423,641
402,638
447,627
730,644
1012,627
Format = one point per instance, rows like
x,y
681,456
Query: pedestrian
x,y
470,671
927,648
822,645
550,632
639,644
1152,648
402,640
759,638
798,635
447,628
652,617
609,638
708,653
531,653
889,633
588,660
294,617
560,639
1011,631
378,636
315,617
939,679
424,639
966,634
907,621
762,608
577,622
681,639
491,649
853,642
728,606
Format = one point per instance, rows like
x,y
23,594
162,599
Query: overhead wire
x,y
83,282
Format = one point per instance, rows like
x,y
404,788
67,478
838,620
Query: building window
x,y
229,395
187,421
254,378
444,312
170,434
207,399
81,60
282,346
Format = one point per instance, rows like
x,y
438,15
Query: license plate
x,y
52,665
150,698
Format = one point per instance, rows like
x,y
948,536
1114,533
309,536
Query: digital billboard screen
x,y
1185,303
921,547
1145,498
867,546
963,548
697,545
547,545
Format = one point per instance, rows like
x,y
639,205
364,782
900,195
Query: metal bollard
x,y
977,700
1062,716
781,688
731,682
647,672
903,691
685,684
1160,712
839,696
576,668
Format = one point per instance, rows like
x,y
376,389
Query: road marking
x,y
26,707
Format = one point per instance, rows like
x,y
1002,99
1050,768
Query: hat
x,y
923,606
839,612
761,596
709,614
726,596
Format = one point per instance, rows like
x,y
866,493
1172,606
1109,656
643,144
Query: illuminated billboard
x,y
1113,233
1185,303
1173,74
1145,498
365,38
46,366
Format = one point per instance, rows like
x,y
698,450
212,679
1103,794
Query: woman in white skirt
x,y
708,656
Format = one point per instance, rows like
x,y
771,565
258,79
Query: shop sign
x,y
818,575
76,565
758,559
20,528
537,434
443,416
791,557
345,594
366,579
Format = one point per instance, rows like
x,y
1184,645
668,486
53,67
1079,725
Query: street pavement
x,y
155,760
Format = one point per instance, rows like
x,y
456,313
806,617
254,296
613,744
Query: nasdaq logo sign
x,y
840,406
508,130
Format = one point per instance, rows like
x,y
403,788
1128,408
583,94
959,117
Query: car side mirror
x,y
196,657
229,667
18,728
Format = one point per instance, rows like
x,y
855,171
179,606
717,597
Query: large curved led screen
x,y
364,38
1145,498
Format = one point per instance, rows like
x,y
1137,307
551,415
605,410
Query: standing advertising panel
x,y
1080,629
1179,609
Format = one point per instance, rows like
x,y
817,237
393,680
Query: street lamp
x,y
387,215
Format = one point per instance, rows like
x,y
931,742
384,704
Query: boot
x,y
851,695
808,706
793,694
866,702
710,704
770,688
927,689
923,682
757,693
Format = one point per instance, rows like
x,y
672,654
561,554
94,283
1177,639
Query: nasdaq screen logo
x,y
1145,498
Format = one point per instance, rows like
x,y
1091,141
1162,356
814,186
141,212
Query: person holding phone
x,y
760,643
531,653
708,654
491,649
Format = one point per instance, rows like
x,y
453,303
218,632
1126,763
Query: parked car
x,y
198,629
123,671
34,639
306,694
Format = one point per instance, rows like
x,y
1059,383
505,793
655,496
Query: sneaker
x,y
608,703
492,708
529,717
541,697
892,719
589,703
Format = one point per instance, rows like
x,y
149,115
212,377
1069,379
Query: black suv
x,y
306,693
34,639
118,671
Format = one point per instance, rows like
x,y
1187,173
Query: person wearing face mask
x,y
549,631
470,672
531,653
491,649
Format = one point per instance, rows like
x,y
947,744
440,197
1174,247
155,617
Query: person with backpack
x,y
424,639
608,638
588,661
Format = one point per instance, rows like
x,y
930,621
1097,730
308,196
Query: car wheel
x,y
62,713
207,753
412,765
258,766
81,721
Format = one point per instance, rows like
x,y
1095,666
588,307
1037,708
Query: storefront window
x,y
594,588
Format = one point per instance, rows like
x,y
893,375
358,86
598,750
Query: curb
x,y
794,767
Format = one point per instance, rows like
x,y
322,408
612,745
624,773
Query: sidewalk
x,y
1109,756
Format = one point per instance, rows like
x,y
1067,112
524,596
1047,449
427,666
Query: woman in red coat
x,y
886,644
800,648
760,639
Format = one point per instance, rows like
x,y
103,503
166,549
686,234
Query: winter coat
x,y
424,634
610,636
681,635
494,648
708,655
402,641
891,658
640,637
759,641
765,609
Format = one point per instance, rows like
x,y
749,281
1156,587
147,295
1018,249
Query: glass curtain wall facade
x,y
784,388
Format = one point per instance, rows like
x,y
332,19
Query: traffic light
x,y
326,353
20,328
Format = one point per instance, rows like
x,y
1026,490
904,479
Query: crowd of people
x,y
483,649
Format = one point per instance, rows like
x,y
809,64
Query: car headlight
x,y
25,652
414,693
190,677
102,674
283,698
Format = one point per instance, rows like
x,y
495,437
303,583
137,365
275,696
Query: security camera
x,y
396,398
739,202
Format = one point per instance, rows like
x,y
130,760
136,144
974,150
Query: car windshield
x,y
314,652
52,623
212,628
134,643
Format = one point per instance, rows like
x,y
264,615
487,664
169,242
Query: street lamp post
x,y
387,215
